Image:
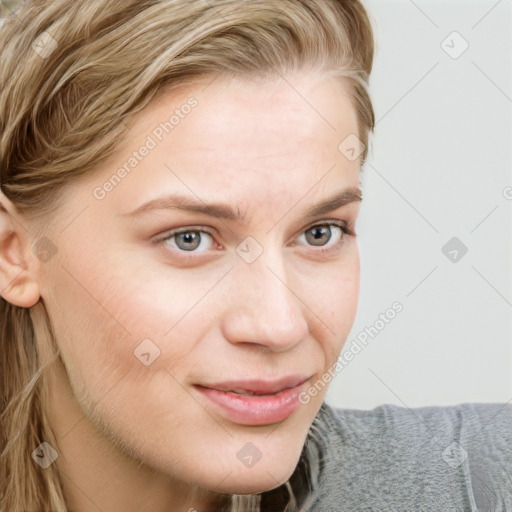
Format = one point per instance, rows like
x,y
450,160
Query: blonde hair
x,y
62,116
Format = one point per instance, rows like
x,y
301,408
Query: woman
x,y
179,267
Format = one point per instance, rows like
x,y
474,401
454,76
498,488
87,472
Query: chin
x,y
260,478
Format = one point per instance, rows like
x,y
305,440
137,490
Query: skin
x,y
141,438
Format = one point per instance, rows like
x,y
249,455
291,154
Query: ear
x,y
17,283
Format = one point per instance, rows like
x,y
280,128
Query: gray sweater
x,y
396,459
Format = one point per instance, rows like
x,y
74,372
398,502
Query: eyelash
x,y
174,232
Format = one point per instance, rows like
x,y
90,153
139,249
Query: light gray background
x,y
440,161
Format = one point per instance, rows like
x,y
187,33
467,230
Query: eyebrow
x,y
225,211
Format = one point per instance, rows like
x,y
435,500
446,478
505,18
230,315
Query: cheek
x,y
334,301
89,308
111,320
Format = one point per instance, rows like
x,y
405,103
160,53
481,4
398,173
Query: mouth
x,y
248,393
252,387
255,402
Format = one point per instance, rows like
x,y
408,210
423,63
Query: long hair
x,y
63,114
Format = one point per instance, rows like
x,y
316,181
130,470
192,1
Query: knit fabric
x,y
398,459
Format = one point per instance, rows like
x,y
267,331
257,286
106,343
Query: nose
x,y
263,306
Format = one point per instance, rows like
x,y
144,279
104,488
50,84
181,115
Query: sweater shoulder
x,y
391,455
470,423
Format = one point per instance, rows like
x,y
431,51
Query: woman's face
x,y
250,296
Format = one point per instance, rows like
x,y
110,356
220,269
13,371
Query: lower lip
x,y
254,409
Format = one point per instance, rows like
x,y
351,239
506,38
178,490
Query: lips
x,y
251,387
254,402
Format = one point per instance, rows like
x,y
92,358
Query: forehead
x,y
241,142
250,116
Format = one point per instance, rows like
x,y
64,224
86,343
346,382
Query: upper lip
x,y
258,386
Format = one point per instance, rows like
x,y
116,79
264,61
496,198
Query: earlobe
x,y
17,284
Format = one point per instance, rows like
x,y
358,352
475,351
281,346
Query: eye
x,y
328,236
188,239
320,235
